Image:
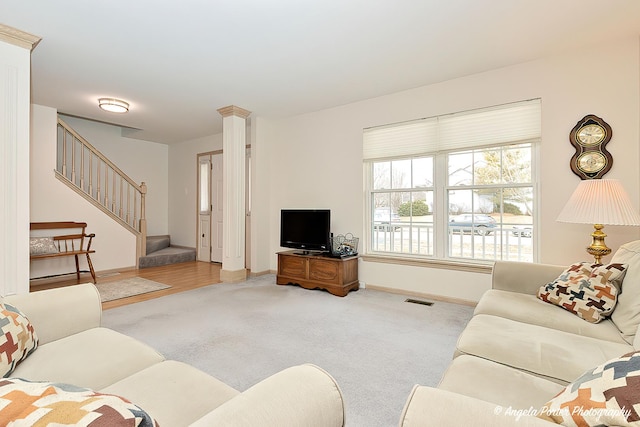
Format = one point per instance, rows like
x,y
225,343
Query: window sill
x,y
430,263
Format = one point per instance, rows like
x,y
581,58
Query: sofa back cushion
x,y
626,315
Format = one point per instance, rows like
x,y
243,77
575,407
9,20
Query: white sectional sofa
x,y
74,349
518,352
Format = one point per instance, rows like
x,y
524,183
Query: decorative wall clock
x,y
589,137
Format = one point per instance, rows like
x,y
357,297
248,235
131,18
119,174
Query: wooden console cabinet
x,y
336,275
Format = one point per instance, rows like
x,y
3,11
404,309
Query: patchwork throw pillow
x,y
18,338
42,246
587,290
43,403
608,395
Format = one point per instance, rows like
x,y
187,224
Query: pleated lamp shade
x,y
600,201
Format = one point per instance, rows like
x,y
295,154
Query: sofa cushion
x,y
587,290
557,355
18,339
42,246
303,395
608,394
44,403
529,309
94,358
492,382
427,406
174,393
626,316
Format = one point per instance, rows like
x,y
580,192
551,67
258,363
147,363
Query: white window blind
x,y
488,126
401,139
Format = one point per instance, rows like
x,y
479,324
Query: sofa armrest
x,y
432,406
302,395
60,312
523,277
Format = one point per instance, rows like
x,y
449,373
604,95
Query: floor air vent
x,y
417,301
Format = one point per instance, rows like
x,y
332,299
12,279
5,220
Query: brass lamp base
x,y
598,248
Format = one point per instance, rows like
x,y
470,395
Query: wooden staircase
x,y
160,252
90,174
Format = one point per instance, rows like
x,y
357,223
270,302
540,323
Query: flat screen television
x,y
305,229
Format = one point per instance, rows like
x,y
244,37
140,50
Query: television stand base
x,y
306,253
339,276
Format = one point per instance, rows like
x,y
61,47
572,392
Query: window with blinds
x,y
457,186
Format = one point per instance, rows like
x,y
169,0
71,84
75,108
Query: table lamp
x,y
599,202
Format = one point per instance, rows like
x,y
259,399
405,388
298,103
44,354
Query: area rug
x,y
376,345
127,288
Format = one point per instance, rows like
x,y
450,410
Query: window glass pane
x,y
381,200
423,172
517,207
488,167
516,165
484,201
460,201
381,175
519,201
460,169
421,223
385,223
415,204
401,174
401,222
204,186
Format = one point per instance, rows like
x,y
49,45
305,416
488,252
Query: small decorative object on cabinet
x,y
589,137
339,276
344,245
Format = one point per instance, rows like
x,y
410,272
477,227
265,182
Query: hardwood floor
x,y
181,277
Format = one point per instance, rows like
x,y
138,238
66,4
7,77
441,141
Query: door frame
x,y
199,156
248,185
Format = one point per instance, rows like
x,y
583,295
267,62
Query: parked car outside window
x,y
481,224
522,230
385,219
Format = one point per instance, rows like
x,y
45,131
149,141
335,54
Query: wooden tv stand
x,y
336,275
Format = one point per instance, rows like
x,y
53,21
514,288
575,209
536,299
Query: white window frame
x,y
440,187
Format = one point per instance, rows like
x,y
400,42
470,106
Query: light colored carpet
x,y
127,288
373,343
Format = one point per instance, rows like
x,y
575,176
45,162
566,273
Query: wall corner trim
x,y
232,110
19,38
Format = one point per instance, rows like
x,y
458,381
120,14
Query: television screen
x,y
306,229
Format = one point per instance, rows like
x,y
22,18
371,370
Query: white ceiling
x,y
177,62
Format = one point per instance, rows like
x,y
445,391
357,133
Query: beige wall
x,y
142,161
183,187
262,133
316,159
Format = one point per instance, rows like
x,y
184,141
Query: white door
x,y
216,211
204,207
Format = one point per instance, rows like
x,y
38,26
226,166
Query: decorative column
x,y
15,114
234,135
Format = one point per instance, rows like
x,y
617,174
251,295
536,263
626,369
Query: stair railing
x,y
92,175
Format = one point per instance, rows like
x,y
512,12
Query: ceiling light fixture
x,y
113,105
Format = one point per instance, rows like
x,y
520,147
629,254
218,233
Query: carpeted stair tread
x,y
156,243
166,256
